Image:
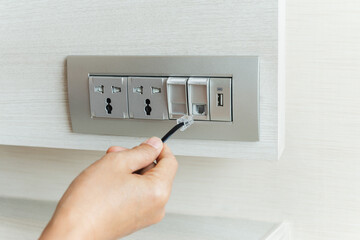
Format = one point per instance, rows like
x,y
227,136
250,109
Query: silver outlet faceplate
x,y
243,70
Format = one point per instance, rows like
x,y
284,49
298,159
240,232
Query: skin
x,y
117,195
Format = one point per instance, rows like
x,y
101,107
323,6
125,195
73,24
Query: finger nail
x,y
154,142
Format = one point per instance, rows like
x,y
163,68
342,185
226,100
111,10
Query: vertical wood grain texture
x,y
316,184
37,36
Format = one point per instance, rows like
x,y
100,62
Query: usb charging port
x,y
220,99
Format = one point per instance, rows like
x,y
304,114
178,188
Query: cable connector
x,y
182,123
187,120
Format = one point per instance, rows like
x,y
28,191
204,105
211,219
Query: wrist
x,y
65,226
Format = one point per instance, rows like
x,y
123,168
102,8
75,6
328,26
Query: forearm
x,y
66,226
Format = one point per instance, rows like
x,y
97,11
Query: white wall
x,y
316,184
36,38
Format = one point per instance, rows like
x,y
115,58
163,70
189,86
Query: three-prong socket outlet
x,y
108,97
147,98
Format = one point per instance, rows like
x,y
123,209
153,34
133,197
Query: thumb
x,y
143,155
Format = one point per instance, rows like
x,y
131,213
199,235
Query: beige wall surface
x,y
315,185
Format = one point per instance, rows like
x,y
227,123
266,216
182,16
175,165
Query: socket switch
x,y
198,98
108,97
147,98
220,99
177,97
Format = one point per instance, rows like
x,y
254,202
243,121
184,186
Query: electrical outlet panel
x,y
143,96
161,98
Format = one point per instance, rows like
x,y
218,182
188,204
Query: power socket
x,y
147,98
108,97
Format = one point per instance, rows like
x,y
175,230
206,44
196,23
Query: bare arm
x,y
108,200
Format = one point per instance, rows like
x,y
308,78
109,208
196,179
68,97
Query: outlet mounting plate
x,y
244,71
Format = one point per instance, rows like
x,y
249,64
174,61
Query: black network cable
x,y
171,132
182,123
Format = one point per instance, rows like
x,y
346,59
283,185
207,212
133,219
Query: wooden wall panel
x,y
37,37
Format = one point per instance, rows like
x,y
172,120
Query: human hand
x,y
109,200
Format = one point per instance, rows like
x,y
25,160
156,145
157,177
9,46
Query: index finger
x,y
166,166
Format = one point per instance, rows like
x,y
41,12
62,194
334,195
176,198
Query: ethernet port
x,y
199,109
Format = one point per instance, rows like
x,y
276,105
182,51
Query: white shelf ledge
x,y
181,227
25,219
